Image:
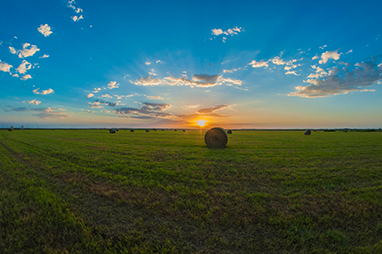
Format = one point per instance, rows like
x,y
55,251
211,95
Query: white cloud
x,y
28,50
89,111
367,90
44,56
12,50
44,92
24,67
107,96
25,77
147,63
342,80
230,31
112,84
5,67
324,46
257,64
77,18
155,97
329,54
349,51
45,30
89,95
277,60
96,90
217,32
292,72
315,57
15,75
158,61
78,10
34,102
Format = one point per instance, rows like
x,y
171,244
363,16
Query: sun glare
x,y
201,123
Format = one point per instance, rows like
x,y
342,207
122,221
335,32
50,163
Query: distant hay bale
x,y
216,138
162,130
112,130
307,132
131,130
175,130
184,130
229,132
155,129
147,130
9,129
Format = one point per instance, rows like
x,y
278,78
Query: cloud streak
x,y
43,92
202,80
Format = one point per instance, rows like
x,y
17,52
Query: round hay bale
x,y
175,130
9,129
131,130
229,132
112,130
184,130
307,132
147,130
216,138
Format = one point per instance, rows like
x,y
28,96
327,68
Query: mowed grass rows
x,y
89,191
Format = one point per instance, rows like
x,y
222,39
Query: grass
x,y
89,191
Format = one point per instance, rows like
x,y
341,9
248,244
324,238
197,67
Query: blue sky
x,y
236,64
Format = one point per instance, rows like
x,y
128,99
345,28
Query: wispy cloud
x,y
202,80
45,30
75,18
147,63
292,72
95,104
155,97
43,92
146,111
89,95
44,56
229,32
25,77
342,80
258,64
107,96
112,85
34,102
28,50
51,113
191,106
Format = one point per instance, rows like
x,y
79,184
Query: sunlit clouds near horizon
x,y
80,63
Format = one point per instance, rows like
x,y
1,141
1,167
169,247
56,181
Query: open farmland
x,y
89,191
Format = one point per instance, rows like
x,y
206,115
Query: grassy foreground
x,y
88,191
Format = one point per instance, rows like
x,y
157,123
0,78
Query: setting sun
x,y
201,123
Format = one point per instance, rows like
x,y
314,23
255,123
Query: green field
x,y
88,191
